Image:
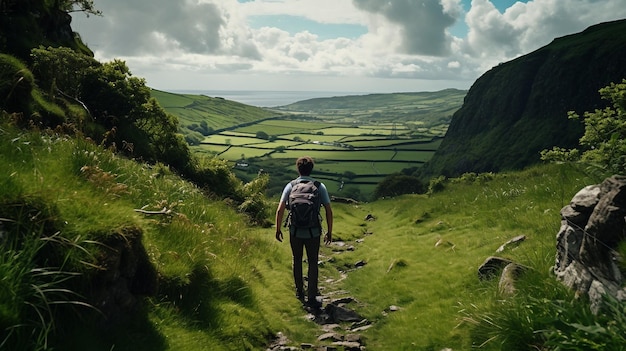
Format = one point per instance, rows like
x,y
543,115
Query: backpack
x,y
304,204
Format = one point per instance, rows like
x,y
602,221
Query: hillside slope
x,y
218,113
520,107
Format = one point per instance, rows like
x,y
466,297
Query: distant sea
x,y
264,98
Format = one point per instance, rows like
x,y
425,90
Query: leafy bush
x,y
255,204
398,184
61,70
604,140
436,184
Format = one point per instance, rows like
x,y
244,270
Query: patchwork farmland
x,y
356,141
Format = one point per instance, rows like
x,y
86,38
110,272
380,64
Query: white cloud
x,y
423,23
407,46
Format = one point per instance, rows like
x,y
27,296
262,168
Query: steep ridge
x,y
519,108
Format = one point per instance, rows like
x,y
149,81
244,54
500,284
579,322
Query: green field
x,y
356,141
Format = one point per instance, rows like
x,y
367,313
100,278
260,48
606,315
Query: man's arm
x,y
328,238
280,211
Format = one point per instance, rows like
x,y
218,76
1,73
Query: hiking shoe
x,y
313,306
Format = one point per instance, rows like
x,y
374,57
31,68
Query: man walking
x,y
304,197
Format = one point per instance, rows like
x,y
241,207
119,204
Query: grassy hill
x,y
428,108
220,284
218,113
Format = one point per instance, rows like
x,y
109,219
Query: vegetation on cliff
x,y
520,107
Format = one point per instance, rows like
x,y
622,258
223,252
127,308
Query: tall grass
x,y
38,279
210,268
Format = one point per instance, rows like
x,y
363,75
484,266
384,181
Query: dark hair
x,y
304,165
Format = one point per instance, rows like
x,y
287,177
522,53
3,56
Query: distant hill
x,y
430,108
217,112
520,107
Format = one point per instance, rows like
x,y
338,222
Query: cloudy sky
x,y
328,45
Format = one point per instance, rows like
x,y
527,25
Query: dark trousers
x,y
312,246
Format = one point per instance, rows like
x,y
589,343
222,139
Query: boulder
x,y
514,242
592,227
509,276
491,267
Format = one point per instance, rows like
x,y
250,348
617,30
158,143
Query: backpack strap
x,y
288,217
317,185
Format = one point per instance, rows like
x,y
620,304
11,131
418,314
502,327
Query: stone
x,y
344,200
393,308
348,345
442,242
330,327
592,228
338,314
361,328
509,276
360,263
353,338
586,199
512,242
333,336
490,268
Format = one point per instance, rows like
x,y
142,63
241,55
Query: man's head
x,y
304,165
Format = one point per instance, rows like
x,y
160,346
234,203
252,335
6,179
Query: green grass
x,y
432,285
203,252
225,285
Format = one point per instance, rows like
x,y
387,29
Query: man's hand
x,y
279,235
328,238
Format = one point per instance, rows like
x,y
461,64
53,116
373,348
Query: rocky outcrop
x,y
519,108
125,275
27,24
592,227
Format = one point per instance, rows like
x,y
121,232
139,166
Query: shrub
x,y
604,140
398,184
436,184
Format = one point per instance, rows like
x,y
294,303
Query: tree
x,y
86,6
262,135
61,70
349,174
604,140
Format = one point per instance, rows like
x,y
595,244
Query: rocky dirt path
x,y
340,326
